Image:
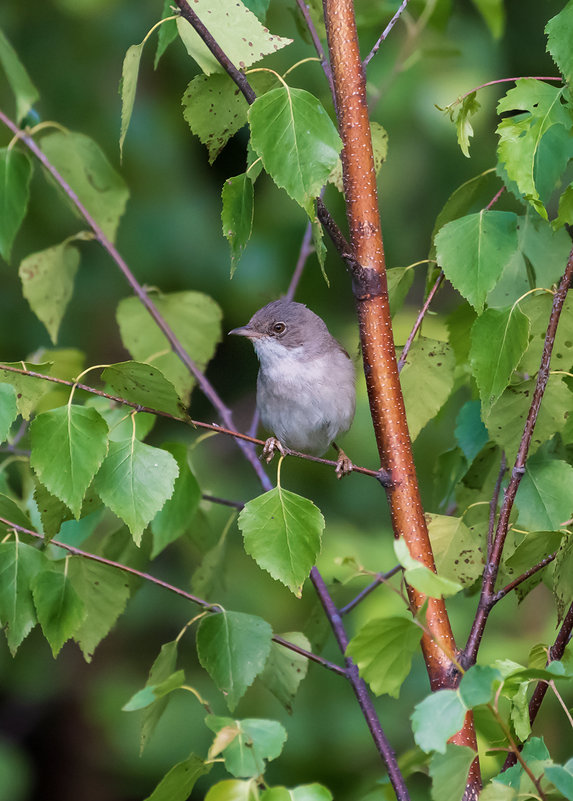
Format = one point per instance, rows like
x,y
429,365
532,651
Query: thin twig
x,y
493,503
381,578
379,475
485,605
385,33
306,248
222,501
324,63
419,320
515,751
206,605
524,576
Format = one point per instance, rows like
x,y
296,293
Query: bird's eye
x,y
279,328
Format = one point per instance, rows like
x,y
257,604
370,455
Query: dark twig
x,y
555,652
419,320
139,291
485,604
206,605
324,63
495,198
520,579
223,501
360,689
385,33
380,475
493,503
380,579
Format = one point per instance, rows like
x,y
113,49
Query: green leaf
x,y
565,207
520,712
29,391
258,7
19,563
154,692
83,165
237,215
48,283
534,146
563,577
233,648
210,572
399,279
538,309
561,776
499,340
167,32
429,363
68,446
195,319
457,553
460,114
545,249
8,409
437,718
282,531
534,547
162,668
236,30
494,791
559,32
383,650
174,519
459,324
24,90
177,784
135,480
10,510
545,496
233,790
470,432
476,686
493,12
473,251
296,140
449,772
421,577
285,669
15,175
104,591
145,385
537,758
254,742
128,86
60,609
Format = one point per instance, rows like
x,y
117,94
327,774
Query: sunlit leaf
x,y
431,363
436,719
449,772
421,577
559,32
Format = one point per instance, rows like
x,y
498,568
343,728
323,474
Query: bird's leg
x,y
269,448
343,464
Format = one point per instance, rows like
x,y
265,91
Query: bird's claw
x,y
271,445
343,465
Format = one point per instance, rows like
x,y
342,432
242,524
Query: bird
x,y
306,393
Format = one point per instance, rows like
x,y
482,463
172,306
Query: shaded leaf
x,y
19,563
29,390
177,784
561,776
20,82
167,32
429,363
493,12
10,510
145,385
545,495
457,553
470,432
154,692
15,175
449,772
60,609
563,577
237,215
8,409
285,669
128,86
162,668
174,519
254,742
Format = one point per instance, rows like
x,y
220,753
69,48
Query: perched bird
x,y
306,384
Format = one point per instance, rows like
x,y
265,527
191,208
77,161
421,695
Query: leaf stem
x,y
385,33
419,320
381,578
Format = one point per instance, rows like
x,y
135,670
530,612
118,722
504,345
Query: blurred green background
x,y
62,732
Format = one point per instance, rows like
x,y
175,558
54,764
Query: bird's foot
x,y
343,464
271,445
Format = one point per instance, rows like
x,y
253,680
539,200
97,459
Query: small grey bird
x,y
306,384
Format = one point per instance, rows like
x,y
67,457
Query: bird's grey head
x,y
286,323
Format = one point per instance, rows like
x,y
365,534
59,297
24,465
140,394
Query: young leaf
x,y
282,531
177,784
135,480
421,577
155,692
19,563
473,251
254,742
48,283
237,215
449,772
29,390
174,519
60,609
162,668
8,409
82,163
233,648
436,719
24,90
15,174
499,340
233,790
296,140
457,553
430,364
237,31
460,114
128,86
195,319
520,712
145,385
545,496
383,650
104,591
534,146
68,446
285,669
559,32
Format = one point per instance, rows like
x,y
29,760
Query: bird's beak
x,y
246,331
